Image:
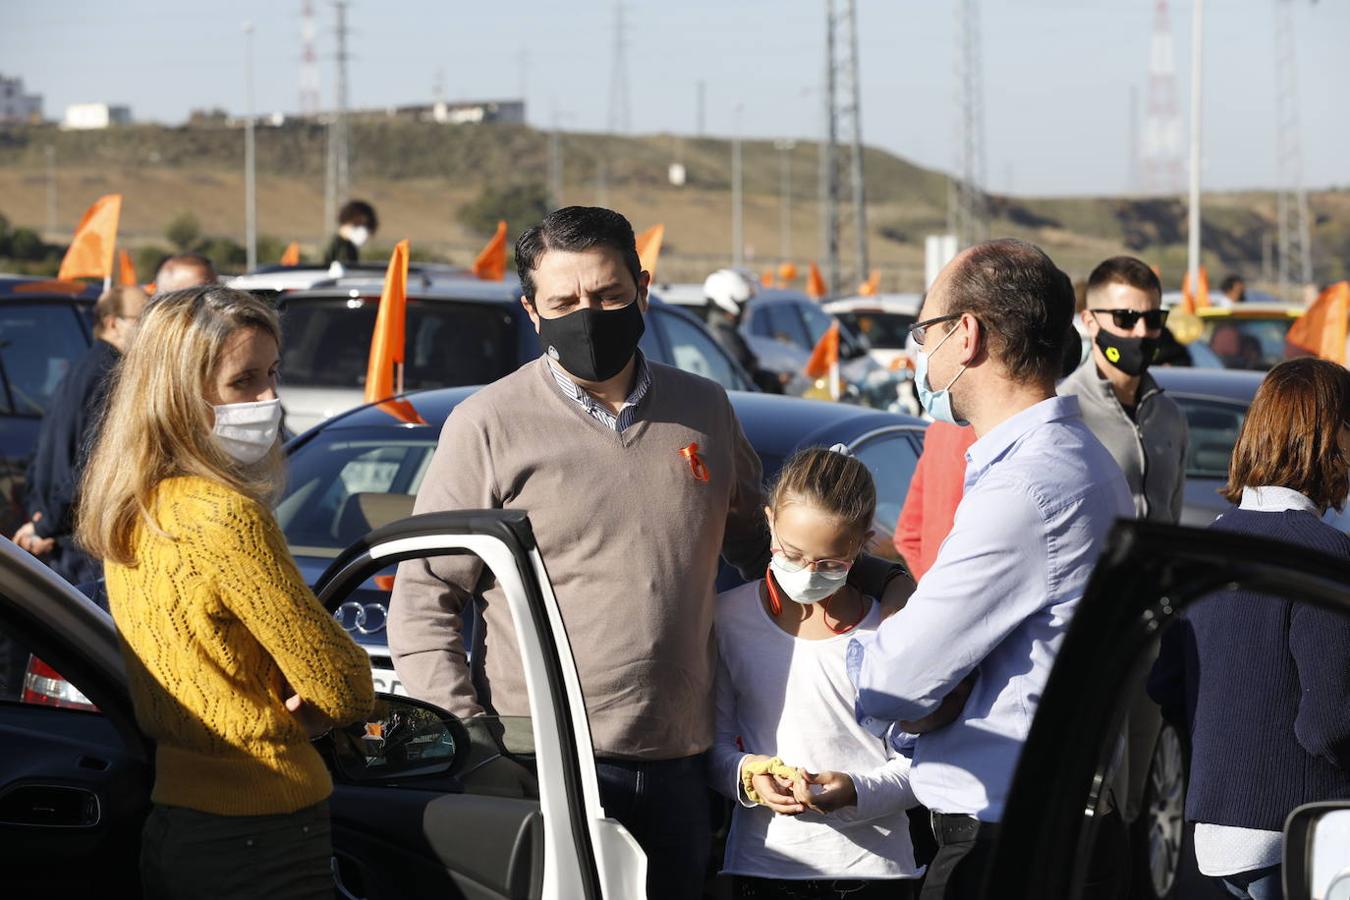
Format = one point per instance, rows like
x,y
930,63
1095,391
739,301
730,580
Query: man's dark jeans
x,y
664,805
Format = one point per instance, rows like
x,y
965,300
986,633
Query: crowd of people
x,y
833,697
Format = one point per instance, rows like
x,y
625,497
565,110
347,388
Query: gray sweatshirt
x,y
1150,448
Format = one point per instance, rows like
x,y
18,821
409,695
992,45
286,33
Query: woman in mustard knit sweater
x,y
233,664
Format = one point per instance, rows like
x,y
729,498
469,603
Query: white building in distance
x,y
15,105
89,116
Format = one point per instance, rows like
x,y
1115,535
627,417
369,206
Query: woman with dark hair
x,y
1259,683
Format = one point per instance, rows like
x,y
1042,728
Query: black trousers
x,y
964,849
966,845
822,889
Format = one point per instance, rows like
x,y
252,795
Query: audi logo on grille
x,y
363,618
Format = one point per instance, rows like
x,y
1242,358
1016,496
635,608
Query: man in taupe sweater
x,y
636,477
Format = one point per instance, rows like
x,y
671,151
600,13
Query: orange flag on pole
x,y
649,248
824,361
870,287
291,255
766,278
1322,329
126,269
91,250
1199,299
386,344
491,262
815,283
787,273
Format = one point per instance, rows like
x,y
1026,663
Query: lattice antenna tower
x,y
309,62
619,115
338,182
968,204
1162,140
1293,258
843,211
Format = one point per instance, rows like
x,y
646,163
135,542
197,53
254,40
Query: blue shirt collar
x,y
989,449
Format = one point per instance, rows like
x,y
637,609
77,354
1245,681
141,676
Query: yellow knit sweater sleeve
x,y
259,583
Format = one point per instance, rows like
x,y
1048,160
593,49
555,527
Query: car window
x,y
340,488
650,343
1214,427
1248,343
891,458
449,343
885,331
38,344
785,324
693,351
759,323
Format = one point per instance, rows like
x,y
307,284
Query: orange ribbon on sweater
x,y
695,462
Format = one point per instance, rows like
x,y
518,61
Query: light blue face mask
x,y
937,404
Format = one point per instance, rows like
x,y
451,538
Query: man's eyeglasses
x,y
1127,318
918,329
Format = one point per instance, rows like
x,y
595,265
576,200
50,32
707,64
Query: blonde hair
x,y
830,481
158,421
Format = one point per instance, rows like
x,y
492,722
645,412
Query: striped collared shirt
x,y
599,411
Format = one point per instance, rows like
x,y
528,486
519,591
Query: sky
x,y
1058,74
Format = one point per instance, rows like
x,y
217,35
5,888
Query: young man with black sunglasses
x,y
1142,428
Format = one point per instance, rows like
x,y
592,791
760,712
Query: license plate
x,y
386,682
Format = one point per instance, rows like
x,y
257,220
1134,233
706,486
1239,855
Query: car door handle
x,y
50,806
338,883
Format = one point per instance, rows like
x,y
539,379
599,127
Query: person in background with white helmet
x,y
727,291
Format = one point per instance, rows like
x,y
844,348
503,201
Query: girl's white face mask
x,y
247,431
806,586
358,234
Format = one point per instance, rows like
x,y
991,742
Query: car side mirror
x,y
1317,852
402,738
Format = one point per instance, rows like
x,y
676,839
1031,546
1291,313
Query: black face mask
x,y
1130,355
593,344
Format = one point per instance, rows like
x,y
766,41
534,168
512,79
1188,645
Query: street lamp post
x,y
1197,72
737,196
250,187
785,148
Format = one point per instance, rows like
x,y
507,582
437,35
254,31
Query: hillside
x,y
419,175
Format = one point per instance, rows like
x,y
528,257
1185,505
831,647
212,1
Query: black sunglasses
x,y
918,329
1126,318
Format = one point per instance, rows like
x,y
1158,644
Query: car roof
x,y
1227,384
28,288
906,304
681,294
1253,311
359,275
470,289
775,424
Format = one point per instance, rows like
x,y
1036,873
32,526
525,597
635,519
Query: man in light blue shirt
x,y
1041,493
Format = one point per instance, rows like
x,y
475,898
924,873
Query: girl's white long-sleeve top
x,y
778,695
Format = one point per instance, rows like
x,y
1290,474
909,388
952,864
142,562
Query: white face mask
x,y
247,431
358,234
806,586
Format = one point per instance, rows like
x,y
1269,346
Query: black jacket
x,y
65,439
341,250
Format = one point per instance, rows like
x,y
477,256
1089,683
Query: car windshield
x,y
449,343
883,330
348,482
1248,343
38,345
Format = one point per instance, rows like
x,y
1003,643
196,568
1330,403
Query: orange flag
x,y
815,283
1322,329
870,287
1191,301
386,344
824,361
766,278
126,269
491,262
91,250
291,255
649,248
787,273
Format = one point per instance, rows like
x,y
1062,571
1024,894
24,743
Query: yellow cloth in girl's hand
x,y
774,766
